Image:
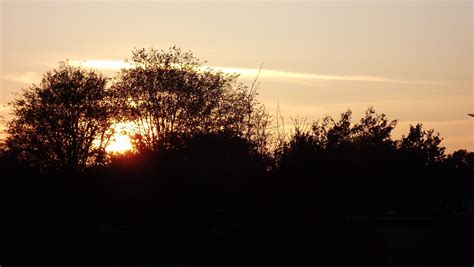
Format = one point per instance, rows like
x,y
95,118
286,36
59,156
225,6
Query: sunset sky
x,y
411,60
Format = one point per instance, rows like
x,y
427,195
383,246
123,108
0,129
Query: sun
x,y
120,144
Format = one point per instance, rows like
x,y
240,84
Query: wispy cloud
x,y
102,64
269,73
26,77
265,73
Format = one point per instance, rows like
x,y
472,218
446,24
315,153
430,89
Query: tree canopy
x,y
171,94
64,122
370,137
422,145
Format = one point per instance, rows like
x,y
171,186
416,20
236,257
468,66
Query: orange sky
x,y
409,59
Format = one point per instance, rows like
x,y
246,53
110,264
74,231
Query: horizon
x,y
409,60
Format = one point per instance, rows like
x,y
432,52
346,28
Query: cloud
x,y
265,73
25,77
269,73
102,64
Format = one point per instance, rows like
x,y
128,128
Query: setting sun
x,y
120,144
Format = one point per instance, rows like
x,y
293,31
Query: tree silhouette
x,y
422,146
64,123
340,132
461,159
374,129
170,94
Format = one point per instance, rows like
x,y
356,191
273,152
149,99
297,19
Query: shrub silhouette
x,y
354,165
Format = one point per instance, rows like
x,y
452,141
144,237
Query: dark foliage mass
x,y
170,94
205,188
65,122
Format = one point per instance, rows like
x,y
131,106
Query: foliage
x,y
169,95
331,135
332,144
64,123
352,165
422,145
373,129
461,159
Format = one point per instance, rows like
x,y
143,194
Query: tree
x,y
461,159
423,146
374,129
336,146
64,123
340,142
339,133
170,94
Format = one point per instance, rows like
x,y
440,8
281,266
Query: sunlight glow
x,y
120,142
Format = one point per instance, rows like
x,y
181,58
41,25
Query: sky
x,y
411,60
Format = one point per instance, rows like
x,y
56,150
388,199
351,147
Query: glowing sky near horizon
x,y
409,59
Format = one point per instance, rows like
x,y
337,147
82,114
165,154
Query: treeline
x,y
67,121
209,185
214,201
